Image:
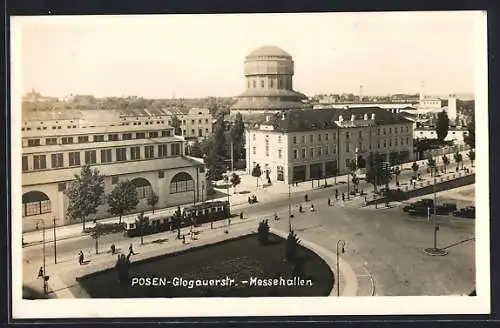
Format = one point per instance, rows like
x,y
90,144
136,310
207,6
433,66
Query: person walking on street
x,y
306,198
80,258
40,272
329,201
300,208
131,250
336,194
343,197
312,207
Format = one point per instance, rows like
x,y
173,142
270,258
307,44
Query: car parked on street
x,y
468,212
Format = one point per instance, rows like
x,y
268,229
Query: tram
x,y
207,212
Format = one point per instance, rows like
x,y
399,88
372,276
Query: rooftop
x,y
269,50
314,119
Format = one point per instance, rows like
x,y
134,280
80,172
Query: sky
x,y
161,56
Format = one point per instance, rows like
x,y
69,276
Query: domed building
x,y
269,83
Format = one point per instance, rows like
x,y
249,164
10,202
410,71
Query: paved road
x,y
386,243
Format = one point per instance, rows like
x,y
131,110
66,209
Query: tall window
x,y
35,203
407,129
162,150
390,130
106,156
280,153
385,144
90,157
347,135
384,131
254,150
113,137
279,139
326,151
149,152
33,142
348,147
318,152
39,162
390,142
303,139
67,140
311,153
272,83
135,153
295,154
140,135
181,182
294,139
401,129
326,136
360,135
99,138
83,139
319,137
121,154
74,158
303,153
334,149
57,160
165,133
127,136
311,138
51,141
267,147
261,83
175,149
280,175
192,122
25,163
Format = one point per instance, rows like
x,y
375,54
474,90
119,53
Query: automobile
x,y
468,212
446,208
425,202
421,210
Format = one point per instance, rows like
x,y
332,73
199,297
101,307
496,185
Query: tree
x,y
472,156
396,172
235,180
415,168
195,150
431,163
446,162
153,200
219,139
470,138
176,124
122,199
442,126
292,245
237,135
257,172
122,268
263,232
458,158
85,194
96,234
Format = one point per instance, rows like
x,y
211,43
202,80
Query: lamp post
x,y
339,243
45,277
55,244
226,181
289,208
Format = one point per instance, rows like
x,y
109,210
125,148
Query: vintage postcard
x,y
206,165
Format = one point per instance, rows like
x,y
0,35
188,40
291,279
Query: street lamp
x,y
226,181
339,243
44,277
290,216
55,246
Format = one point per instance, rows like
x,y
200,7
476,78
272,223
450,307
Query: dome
x,y
269,51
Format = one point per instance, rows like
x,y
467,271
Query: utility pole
x,y
289,208
44,271
232,156
55,244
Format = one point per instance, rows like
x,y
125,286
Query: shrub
x,y
263,232
292,244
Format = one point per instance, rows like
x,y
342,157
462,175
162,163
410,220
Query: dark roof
x,y
324,119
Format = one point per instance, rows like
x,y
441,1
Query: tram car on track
x,y
207,212
190,215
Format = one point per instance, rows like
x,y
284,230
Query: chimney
x,y
352,118
373,116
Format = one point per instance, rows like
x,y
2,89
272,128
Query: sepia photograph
x,y
249,165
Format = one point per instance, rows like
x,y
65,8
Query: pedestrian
x,y
306,198
80,258
183,239
343,197
300,208
329,201
312,207
211,224
131,250
241,215
113,249
229,221
40,272
336,194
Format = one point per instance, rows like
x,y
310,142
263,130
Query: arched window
x,y
181,182
142,187
35,203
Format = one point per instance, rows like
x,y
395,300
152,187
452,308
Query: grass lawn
x,y
239,259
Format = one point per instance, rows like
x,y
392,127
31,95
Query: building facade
x,y
143,151
269,74
302,145
455,134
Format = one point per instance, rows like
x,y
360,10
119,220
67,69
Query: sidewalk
x,y
68,269
239,200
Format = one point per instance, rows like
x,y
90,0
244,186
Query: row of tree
x,y
86,193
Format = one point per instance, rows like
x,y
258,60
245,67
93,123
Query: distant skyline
x,y
202,55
